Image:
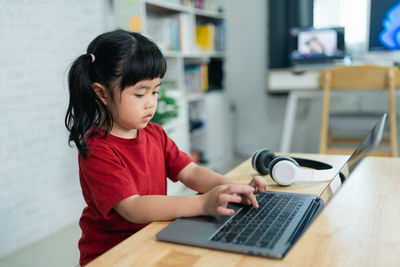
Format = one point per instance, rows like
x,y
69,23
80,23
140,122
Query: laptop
x,y
273,228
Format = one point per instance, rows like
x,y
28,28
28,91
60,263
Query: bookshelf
x,y
191,34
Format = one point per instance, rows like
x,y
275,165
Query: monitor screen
x,y
311,45
384,28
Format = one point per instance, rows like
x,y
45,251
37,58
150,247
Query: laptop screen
x,y
372,139
311,45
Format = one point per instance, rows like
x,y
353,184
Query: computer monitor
x,y
312,45
384,29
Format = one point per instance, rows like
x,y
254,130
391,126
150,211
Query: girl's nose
x,y
151,102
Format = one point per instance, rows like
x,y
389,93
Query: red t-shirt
x,y
118,168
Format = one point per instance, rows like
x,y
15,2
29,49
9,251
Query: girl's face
x,y
134,107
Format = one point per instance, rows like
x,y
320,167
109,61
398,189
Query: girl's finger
x,y
260,183
224,199
252,199
225,211
239,189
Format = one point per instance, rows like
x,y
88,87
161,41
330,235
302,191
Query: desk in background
x,y
298,83
359,227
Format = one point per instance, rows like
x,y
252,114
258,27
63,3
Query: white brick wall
x,y
39,184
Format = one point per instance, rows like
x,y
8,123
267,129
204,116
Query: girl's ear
x,y
101,92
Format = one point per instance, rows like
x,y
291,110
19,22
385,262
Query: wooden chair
x,y
363,77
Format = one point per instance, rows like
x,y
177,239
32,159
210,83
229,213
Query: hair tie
x,y
93,57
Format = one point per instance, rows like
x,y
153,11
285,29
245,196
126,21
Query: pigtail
x,y
85,109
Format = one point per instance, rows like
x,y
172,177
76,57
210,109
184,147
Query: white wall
x,y
258,118
39,187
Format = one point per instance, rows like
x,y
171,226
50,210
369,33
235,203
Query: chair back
x,y
360,77
363,77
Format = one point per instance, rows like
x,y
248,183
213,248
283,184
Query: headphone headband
x,y
314,164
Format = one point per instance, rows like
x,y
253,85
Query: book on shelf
x,y
205,37
215,74
220,34
165,31
204,77
211,37
187,35
196,79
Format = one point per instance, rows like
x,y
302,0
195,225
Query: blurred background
x,y
227,62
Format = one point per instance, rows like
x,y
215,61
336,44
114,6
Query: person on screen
x,y
315,47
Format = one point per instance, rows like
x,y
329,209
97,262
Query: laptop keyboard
x,y
261,227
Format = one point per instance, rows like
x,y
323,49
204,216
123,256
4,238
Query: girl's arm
x,y
146,209
219,191
201,179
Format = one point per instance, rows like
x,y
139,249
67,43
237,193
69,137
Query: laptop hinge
x,y
312,211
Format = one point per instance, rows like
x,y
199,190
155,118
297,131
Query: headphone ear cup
x,y
253,158
289,177
261,161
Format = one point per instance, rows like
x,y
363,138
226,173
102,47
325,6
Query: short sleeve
x,y
175,159
108,181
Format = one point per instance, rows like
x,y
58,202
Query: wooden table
x,y
359,227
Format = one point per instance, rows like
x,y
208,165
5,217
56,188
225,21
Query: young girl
x,y
124,159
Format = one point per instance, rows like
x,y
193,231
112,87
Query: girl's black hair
x,y
121,59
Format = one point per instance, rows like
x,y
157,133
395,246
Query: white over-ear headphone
x,y
286,170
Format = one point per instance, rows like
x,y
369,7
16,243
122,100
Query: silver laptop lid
x,y
369,143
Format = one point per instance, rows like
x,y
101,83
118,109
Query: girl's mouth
x,y
148,117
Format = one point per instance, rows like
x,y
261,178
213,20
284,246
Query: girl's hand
x,y
260,185
216,200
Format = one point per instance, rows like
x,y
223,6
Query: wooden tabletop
x,y
359,227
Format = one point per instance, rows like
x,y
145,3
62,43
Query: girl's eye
x,y
138,96
156,93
